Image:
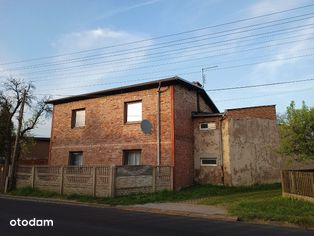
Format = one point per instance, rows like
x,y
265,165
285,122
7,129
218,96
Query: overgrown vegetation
x,y
296,129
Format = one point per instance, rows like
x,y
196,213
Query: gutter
x,y
221,149
158,125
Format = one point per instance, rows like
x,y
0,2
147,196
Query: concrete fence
x,y
298,184
100,181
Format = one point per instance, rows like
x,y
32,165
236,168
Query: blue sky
x,y
284,42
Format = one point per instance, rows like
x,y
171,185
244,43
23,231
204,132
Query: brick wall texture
x,y
263,112
106,135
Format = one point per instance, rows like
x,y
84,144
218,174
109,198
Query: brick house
x,y
37,152
107,128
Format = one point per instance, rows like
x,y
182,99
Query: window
x,y
76,158
212,161
78,118
133,111
132,158
207,126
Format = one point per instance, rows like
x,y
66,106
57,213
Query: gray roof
x,y
137,87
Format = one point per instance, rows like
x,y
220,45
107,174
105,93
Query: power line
x,y
62,75
187,73
135,50
267,95
217,89
214,63
170,63
259,85
158,37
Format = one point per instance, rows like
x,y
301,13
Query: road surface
x,y
77,220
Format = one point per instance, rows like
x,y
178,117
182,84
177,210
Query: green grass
x,y
194,192
262,202
266,205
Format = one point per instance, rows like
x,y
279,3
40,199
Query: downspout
x,y
158,124
221,151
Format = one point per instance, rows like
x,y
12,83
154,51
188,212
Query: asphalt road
x,y
82,220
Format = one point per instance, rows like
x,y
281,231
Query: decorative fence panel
x,y
298,184
24,176
134,179
48,178
100,181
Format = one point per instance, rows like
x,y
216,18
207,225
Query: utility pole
x,y
17,146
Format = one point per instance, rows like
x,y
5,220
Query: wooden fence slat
x,y
298,184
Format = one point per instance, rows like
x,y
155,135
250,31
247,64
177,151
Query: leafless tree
x,y
11,99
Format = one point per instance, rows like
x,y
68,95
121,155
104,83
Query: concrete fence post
x,y
33,176
112,181
171,178
61,179
154,178
94,180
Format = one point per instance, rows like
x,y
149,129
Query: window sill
x,y
132,122
80,127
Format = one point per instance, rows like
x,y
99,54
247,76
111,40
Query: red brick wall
x,y
185,101
105,135
263,112
36,154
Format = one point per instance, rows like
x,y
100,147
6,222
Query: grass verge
x,y
194,192
266,205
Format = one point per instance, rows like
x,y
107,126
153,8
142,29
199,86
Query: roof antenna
x,y
203,78
204,75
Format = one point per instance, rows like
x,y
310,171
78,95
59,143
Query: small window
x,y
133,111
78,118
209,161
132,158
76,158
207,126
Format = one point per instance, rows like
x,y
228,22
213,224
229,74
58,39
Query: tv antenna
x,y
204,75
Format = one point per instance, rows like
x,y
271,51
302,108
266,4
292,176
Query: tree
x,y
4,116
14,96
296,129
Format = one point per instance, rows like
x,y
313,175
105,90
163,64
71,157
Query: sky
x,y
75,46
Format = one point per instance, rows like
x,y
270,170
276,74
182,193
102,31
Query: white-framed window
x,y
208,161
208,126
76,158
133,111
78,118
132,157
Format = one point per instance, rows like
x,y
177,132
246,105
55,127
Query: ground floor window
x,y
132,157
76,158
209,161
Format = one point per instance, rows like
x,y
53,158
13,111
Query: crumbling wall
x,y
252,151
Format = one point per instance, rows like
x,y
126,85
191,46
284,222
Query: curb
x,y
54,201
181,213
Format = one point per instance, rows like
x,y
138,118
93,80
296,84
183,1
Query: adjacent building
x,y
166,122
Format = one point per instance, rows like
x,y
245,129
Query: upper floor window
x,y
133,111
208,126
76,158
78,118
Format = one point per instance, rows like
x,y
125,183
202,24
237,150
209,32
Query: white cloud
x,y
268,6
99,70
